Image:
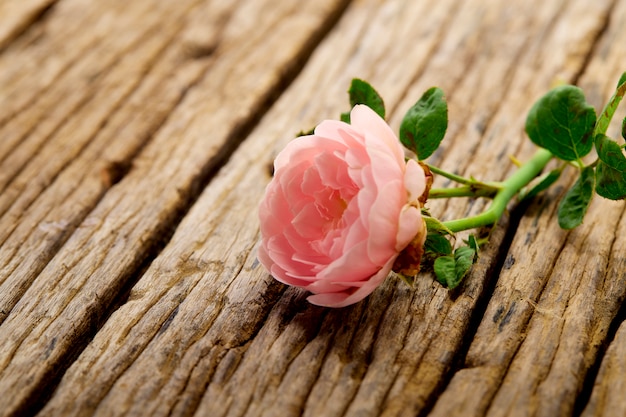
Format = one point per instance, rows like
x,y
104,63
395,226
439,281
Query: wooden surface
x,y
135,144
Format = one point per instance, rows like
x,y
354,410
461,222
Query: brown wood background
x,y
135,144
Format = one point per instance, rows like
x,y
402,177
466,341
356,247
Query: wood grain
x,y
607,398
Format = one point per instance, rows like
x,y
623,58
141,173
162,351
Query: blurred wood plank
x,y
17,15
75,118
207,331
145,96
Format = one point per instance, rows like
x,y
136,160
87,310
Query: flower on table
x,y
342,205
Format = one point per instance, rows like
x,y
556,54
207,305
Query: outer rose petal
x,y
341,207
366,120
383,221
351,266
343,299
410,225
414,180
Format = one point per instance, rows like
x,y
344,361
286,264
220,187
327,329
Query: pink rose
x,y
342,205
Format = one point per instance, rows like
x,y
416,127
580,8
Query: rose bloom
x,y
342,205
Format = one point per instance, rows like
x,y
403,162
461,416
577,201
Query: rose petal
x,y
409,225
347,298
353,265
333,172
309,223
383,223
340,132
384,168
367,120
414,180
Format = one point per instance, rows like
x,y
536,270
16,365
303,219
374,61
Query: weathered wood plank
x,y
86,114
137,83
207,331
540,336
607,398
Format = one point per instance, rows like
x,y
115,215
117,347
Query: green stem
x,y
510,188
451,176
465,191
605,117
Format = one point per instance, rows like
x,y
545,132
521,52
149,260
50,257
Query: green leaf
x,y
545,181
464,258
609,110
437,244
472,243
435,225
361,92
444,267
610,153
610,183
624,128
450,270
611,169
573,207
562,122
424,125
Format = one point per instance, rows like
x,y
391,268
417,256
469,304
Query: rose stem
x,y
524,175
481,190
450,176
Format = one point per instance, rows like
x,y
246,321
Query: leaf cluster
x,y
566,125
452,266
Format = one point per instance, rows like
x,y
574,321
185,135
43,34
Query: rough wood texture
x,y
607,398
128,277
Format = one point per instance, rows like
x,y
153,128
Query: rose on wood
x,y
343,203
346,206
